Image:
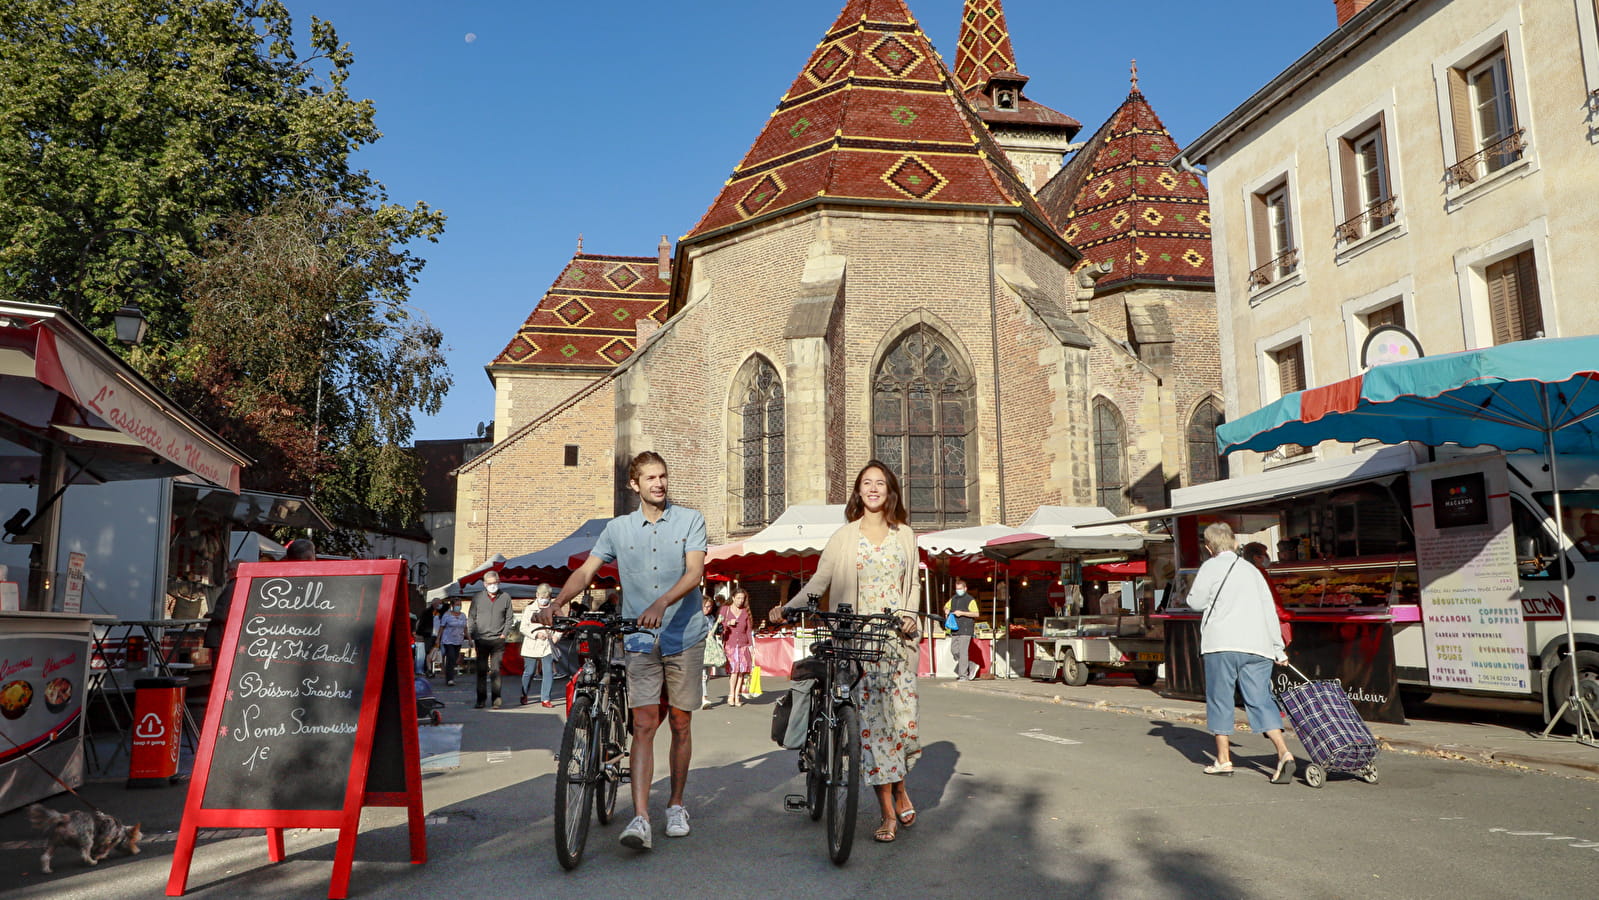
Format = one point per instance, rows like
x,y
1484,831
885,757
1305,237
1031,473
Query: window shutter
x,y
1261,215
1528,305
1351,175
1460,114
1498,277
1291,369
1510,80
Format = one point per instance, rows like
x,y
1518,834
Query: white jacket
x,y
538,641
1239,613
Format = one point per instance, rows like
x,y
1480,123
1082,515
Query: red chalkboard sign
x,y
312,711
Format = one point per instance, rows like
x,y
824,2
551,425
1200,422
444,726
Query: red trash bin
x,y
157,731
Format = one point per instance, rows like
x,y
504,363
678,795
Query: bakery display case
x,y
1365,583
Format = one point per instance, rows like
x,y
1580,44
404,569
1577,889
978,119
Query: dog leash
x,y
46,769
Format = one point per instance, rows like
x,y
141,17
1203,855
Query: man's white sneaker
x,y
636,836
676,821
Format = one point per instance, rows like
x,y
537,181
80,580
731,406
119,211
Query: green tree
x,y
303,351
187,157
130,128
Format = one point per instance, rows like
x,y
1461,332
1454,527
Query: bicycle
x,y
831,754
599,725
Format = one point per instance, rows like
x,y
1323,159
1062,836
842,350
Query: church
x,y
901,267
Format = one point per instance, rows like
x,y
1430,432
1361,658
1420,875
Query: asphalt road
x,y
1017,799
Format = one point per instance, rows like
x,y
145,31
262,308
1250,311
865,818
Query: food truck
x,y
1408,571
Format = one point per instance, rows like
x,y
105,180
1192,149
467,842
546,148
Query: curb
x,y
1435,750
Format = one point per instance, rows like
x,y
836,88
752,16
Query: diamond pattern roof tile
x,y
589,317
1119,199
873,115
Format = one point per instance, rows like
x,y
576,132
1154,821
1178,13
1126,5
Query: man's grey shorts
x,y
680,672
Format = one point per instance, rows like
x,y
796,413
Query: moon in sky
x,y
471,37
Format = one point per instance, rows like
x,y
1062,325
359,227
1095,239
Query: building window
x,y
1392,314
923,402
1513,301
571,454
1483,115
1110,458
1273,225
758,451
1204,463
1290,362
1367,194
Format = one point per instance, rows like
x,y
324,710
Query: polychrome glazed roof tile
x,y
983,52
588,318
1119,199
873,116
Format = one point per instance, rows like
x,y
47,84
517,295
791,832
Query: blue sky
x,y
621,120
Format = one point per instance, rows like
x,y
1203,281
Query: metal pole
x,y
1574,700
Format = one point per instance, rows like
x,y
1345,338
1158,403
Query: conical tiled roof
x,y
873,116
1119,199
589,317
984,45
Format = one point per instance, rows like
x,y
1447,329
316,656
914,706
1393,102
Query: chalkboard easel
x,y
312,711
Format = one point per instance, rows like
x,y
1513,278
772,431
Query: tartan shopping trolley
x,y
1334,735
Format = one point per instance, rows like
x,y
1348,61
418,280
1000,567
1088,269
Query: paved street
x,y
1019,796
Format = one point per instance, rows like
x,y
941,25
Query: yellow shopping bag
x,y
755,681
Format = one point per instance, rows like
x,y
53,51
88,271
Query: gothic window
x,y
1204,463
923,401
758,452
1110,458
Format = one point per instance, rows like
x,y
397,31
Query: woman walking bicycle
x,y
870,564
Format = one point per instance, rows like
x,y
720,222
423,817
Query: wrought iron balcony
x,y
1490,159
1279,267
1377,215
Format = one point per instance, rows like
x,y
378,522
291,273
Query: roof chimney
x,y
663,259
1348,9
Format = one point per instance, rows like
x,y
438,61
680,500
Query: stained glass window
x,y
922,416
1110,458
1204,463
760,481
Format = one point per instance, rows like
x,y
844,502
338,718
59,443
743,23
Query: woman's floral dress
x,y
889,743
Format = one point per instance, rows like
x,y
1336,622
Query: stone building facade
x,y
877,278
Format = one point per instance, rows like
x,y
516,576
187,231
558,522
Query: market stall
x,y
72,415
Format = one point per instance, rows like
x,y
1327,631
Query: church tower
x,y
1034,137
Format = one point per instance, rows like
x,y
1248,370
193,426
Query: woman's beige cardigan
x,y
836,569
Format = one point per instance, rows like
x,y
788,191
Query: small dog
x,y
95,834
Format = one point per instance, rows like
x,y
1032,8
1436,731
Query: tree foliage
x,y
185,156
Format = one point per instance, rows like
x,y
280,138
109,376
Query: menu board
x,y
1476,638
312,714
293,697
41,709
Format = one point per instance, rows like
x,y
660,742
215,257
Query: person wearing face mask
x,y
452,633
538,648
487,625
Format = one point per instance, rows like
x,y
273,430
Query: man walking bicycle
x,y
659,551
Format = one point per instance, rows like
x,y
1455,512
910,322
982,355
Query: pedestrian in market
x,y
1239,638
1258,555
738,642
538,647
715,653
452,634
659,551
963,607
487,624
870,563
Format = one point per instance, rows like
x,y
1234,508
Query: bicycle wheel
x,y
816,756
611,739
843,784
576,769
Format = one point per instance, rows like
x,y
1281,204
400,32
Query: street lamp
x,y
130,324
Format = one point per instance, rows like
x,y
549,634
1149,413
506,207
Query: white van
x,y
1539,548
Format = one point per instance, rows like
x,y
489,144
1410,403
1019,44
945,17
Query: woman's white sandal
x,y
1219,769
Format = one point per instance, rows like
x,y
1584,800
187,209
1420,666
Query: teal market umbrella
x,y
1538,395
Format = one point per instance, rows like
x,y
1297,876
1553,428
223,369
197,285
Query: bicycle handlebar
x,y
601,621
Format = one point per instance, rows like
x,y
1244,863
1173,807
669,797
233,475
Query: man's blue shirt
x,y
649,560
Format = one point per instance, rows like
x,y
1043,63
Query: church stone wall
x,y
520,397
522,497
